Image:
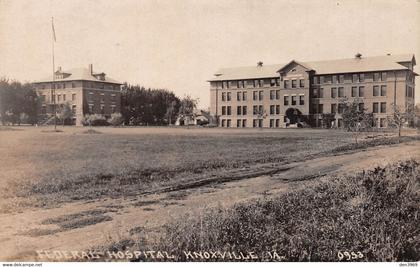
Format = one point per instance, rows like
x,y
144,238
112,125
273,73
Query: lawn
x,y
43,168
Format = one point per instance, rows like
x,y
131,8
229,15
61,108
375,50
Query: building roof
x,y
349,65
78,74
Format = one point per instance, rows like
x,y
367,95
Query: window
x,y
361,77
271,109
341,107
223,123
238,110
64,97
244,110
361,91
260,123
43,110
334,79
383,107
237,84
243,123
113,109
271,123
73,85
223,96
73,97
293,100
223,110
294,83
376,77
286,84
361,107
272,94
261,83
43,98
238,123
320,108
383,76
254,123
260,110
333,92
382,122
301,83
277,109
228,96
321,79
315,80
255,95
341,79
339,123
375,107
102,109
244,96
321,92
58,98
261,95
229,110
383,90
255,110
301,100
277,94
355,78
354,91
90,108
375,90
273,82
333,108
286,100
238,96
228,123
340,91
102,97
277,123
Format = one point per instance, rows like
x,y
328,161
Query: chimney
x,y
259,63
358,56
388,54
91,69
59,68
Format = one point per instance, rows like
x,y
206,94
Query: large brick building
x,y
83,89
286,94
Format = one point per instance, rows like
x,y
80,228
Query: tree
x,y
187,107
141,106
354,118
401,116
65,113
327,119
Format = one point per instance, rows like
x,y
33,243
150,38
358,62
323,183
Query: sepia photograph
x,y
197,131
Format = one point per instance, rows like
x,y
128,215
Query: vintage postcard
x,y
140,131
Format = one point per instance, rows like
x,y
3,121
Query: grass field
x,y
368,217
44,168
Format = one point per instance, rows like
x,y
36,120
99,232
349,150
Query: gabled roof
x,y
78,74
349,65
296,62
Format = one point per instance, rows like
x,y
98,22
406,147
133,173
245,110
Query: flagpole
x,y
53,66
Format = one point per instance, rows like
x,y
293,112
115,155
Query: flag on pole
x,y
53,30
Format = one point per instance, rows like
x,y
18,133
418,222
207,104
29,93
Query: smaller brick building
x,y
85,91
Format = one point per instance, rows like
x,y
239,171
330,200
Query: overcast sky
x,y
179,44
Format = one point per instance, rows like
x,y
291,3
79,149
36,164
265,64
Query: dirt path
x,y
83,225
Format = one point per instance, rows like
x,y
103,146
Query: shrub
x,y
116,119
94,120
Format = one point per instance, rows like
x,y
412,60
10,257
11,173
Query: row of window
x,y
60,98
90,97
102,108
242,123
64,85
294,99
248,83
294,83
355,78
356,91
44,109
